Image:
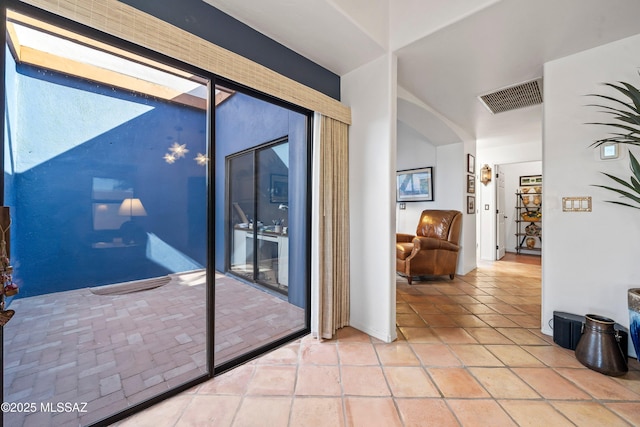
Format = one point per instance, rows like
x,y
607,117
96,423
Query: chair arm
x,y
404,238
433,243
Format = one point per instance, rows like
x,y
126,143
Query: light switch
x,y
576,204
403,205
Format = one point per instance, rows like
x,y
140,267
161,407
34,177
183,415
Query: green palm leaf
x,y
622,203
625,115
621,192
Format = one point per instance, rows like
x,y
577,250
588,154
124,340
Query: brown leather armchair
x,y
434,248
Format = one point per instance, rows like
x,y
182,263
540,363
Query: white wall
x,y
414,151
515,152
370,91
451,188
589,259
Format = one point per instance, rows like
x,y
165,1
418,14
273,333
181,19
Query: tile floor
x,y
112,351
469,353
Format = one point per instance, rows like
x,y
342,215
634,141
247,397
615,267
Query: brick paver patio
x,y
113,351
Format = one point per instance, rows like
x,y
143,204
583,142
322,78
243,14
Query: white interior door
x,y
500,214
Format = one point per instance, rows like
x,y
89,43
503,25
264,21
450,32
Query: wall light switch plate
x,y
486,207
576,204
403,205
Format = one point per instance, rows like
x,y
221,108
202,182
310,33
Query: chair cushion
x,y
403,250
435,224
430,243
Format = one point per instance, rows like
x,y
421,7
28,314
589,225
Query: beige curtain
x,y
332,289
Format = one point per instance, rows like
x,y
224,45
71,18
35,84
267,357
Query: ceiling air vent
x,y
514,97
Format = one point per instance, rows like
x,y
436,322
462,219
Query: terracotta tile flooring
x,y
469,353
112,351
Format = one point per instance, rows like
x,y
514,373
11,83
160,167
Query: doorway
x,y
507,191
501,214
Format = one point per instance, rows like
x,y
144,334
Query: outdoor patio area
x,y
113,350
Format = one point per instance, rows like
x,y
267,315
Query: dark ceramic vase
x,y
634,318
599,347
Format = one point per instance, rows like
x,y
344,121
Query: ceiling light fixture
x,y
201,159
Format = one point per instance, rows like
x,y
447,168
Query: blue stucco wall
x,y
63,133
71,131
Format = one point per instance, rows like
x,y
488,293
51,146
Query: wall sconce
x,y
485,174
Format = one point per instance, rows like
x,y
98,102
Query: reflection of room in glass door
x,y
259,204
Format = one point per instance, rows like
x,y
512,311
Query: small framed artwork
x,y
471,205
414,185
530,180
471,163
471,184
279,190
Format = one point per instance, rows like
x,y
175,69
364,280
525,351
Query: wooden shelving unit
x,y
529,222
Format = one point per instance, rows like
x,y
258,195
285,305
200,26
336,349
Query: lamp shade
x,y
132,207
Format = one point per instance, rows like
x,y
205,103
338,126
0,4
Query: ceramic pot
x,y
531,242
526,200
599,347
536,200
633,298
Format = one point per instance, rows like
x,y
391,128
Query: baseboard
x,y
374,333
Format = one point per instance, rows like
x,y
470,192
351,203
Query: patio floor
x,y
113,351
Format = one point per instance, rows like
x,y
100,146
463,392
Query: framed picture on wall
x,y
279,189
530,180
414,185
471,184
471,204
471,163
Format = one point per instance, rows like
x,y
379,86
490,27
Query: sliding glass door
x,y
242,208
145,263
259,204
106,177
262,256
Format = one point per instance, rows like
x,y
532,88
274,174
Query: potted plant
x,y
625,121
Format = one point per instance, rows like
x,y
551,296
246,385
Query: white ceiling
x,y
449,52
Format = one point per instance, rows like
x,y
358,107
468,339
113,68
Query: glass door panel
x,y
258,181
106,178
261,289
272,201
241,190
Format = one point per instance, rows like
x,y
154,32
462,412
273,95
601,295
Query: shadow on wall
x,y
68,138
